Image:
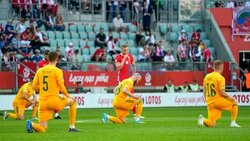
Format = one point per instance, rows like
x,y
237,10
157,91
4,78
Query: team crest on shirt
x,y
126,62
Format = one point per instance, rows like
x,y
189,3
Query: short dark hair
x,y
198,30
32,78
53,56
46,52
76,51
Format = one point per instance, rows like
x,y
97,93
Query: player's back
x,y
48,78
127,83
213,82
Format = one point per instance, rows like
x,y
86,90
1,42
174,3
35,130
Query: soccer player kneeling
x,y
49,81
25,98
124,101
217,99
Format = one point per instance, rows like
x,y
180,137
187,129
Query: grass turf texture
x,y
174,124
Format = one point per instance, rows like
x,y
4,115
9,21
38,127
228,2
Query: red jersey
x,y
98,52
196,36
43,63
207,54
125,71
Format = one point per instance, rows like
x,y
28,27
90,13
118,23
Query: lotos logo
x,y
148,79
152,100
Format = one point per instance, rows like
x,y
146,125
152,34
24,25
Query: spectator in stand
x,y
79,88
28,58
59,26
123,7
26,38
118,23
140,38
169,87
37,57
229,4
196,37
137,8
184,88
169,60
6,66
149,38
1,28
158,52
62,61
69,51
144,54
21,27
112,49
101,39
75,61
37,44
147,12
114,7
50,22
99,55
182,51
9,28
36,9
183,36
194,86
218,4
247,3
41,35
5,50
195,52
13,57
206,55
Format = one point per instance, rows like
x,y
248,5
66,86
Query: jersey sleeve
x,y
132,59
128,85
222,84
118,59
60,81
25,88
35,84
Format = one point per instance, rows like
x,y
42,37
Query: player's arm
x,y
128,93
25,90
119,65
60,81
223,92
35,83
133,66
115,89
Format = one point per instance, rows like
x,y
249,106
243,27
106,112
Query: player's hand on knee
x,y
62,96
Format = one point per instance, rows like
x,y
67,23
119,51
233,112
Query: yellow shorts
x,y
47,107
19,108
214,109
122,106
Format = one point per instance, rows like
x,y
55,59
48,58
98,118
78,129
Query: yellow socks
x,y
234,113
38,128
139,108
72,115
115,119
11,115
34,112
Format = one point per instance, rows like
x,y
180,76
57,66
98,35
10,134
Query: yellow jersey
x,y
127,83
213,83
26,88
49,82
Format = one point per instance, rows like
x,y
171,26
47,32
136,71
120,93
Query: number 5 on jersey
x,y
45,83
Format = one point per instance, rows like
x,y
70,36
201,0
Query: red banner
x,y
7,80
25,72
108,79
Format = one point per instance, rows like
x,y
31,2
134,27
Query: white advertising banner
x,y
149,100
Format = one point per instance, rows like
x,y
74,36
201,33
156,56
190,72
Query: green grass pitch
x,y
172,124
